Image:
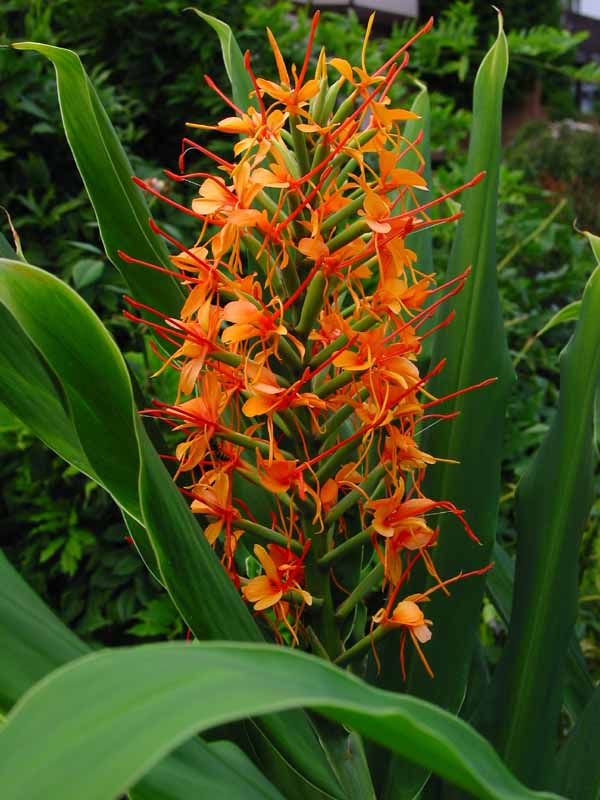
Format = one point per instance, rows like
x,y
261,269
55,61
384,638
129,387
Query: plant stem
x,y
268,535
364,588
363,644
349,546
354,496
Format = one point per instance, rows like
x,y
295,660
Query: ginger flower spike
x,y
301,389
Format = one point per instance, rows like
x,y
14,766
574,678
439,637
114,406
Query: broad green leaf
x,y
95,381
579,686
219,770
120,208
34,642
421,242
120,695
553,502
28,389
577,768
90,368
237,73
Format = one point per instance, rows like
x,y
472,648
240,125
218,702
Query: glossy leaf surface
x,y
120,208
193,687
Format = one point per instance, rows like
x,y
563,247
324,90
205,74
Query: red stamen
x,y
203,150
311,36
460,391
259,97
223,97
139,182
427,27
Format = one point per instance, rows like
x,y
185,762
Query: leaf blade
x,y
120,208
553,502
211,684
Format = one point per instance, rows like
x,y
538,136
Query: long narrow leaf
x,y
120,695
579,686
27,388
577,770
33,641
475,348
120,208
220,771
553,502
92,373
237,73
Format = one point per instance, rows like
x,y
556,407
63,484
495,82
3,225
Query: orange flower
x,y
297,342
283,573
409,618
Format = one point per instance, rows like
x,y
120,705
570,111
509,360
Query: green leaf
x,y
28,389
92,373
232,58
579,686
219,770
553,502
34,642
120,208
119,696
96,383
6,251
567,314
577,768
475,348
421,242
86,272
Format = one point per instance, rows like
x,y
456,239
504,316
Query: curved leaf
x,y
94,378
28,389
120,695
34,642
92,373
120,208
553,502
567,314
237,73
219,770
475,347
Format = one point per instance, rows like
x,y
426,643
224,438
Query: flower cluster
x,y
297,349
